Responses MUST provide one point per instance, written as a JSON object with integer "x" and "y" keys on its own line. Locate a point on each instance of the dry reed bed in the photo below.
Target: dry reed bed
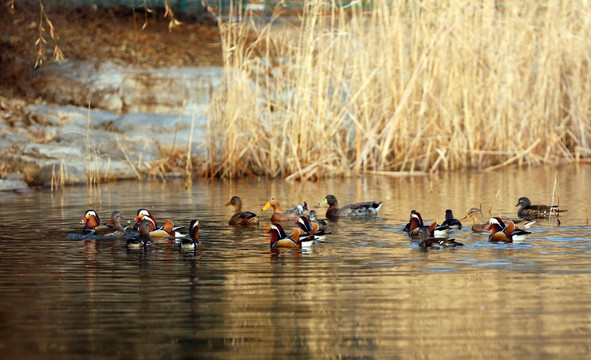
{"x": 403, "y": 86}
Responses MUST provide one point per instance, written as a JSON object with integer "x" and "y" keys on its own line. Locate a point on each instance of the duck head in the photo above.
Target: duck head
{"x": 90, "y": 219}
{"x": 194, "y": 229}
{"x": 236, "y": 202}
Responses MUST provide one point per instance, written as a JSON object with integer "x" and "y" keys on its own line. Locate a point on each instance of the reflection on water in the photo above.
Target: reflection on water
{"x": 364, "y": 292}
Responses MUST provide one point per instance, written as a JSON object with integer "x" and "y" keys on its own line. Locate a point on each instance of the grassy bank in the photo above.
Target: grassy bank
{"x": 404, "y": 86}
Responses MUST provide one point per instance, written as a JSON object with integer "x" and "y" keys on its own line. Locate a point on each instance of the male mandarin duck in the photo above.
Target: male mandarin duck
{"x": 529, "y": 211}
{"x": 167, "y": 230}
{"x": 92, "y": 224}
{"x": 321, "y": 223}
{"x": 310, "y": 228}
{"x": 280, "y": 240}
{"x": 368, "y": 208}
{"x": 450, "y": 221}
{"x": 426, "y": 240}
{"x": 143, "y": 240}
{"x": 191, "y": 243}
{"x": 278, "y": 215}
{"x": 478, "y": 226}
{"x": 309, "y": 231}
{"x": 145, "y": 214}
{"x": 241, "y": 217}
{"x": 416, "y": 223}
{"x": 507, "y": 233}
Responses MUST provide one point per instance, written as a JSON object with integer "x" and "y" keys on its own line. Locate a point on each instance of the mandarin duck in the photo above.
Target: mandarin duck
{"x": 368, "y": 208}
{"x": 241, "y": 217}
{"x": 191, "y": 243}
{"x": 168, "y": 230}
{"x": 314, "y": 218}
{"x": 507, "y": 233}
{"x": 529, "y": 211}
{"x": 143, "y": 240}
{"x": 145, "y": 214}
{"x": 426, "y": 240}
{"x": 309, "y": 227}
{"x": 278, "y": 215}
{"x": 280, "y": 240}
{"x": 478, "y": 226}
{"x": 92, "y": 224}
{"x": 450, "y": 221}
{"x": 416, "y": 222}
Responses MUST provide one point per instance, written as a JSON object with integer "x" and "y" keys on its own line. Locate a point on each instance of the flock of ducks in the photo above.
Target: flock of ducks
{"x": 310, "y": 227}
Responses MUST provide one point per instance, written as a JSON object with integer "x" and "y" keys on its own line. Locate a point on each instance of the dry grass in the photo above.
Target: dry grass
{"x": 403, "y": 87}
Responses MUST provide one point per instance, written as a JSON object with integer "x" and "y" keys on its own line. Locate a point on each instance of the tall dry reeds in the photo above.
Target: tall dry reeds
{"x": 398, "y": 86}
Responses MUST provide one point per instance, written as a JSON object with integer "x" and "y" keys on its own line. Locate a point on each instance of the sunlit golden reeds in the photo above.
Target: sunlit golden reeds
{"x": 398, "y": 86}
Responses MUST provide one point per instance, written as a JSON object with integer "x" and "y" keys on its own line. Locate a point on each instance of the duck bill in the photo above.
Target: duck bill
{"x": 267, "y": 205}
{"x": 228, "y": 203}
{"x": 465, "y": 218}
{"x": 83, "y": 221}
{"x": 323, "y": 202}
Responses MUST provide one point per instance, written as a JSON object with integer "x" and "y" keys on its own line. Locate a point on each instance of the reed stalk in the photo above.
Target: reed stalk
{"x": 397, "y": 86}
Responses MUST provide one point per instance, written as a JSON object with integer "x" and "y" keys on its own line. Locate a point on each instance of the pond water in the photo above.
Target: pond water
{"x": 365, "y": 292}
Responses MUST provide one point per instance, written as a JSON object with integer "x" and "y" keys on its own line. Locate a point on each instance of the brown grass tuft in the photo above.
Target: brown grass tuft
{"x": 403, "y": 87}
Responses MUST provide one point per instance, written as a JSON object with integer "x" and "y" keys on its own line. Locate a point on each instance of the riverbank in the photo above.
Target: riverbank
{"x": 106, "y": 112}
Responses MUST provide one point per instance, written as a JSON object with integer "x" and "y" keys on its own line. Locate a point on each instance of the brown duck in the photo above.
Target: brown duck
{"x": 241, "y": 217}
{"x": 478, "y": 226}
{"x": 529, "y": 211}
{"x": 278, "y": 215}
{"x": 368, "y": 208}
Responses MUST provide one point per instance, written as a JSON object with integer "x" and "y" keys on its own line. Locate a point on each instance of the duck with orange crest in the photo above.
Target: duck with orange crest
{"x": 241, "y": 217}
{"x": 416, "y": 223}
{"x": 92, "y": 225}
{"x": 504, "y": 232}
{"x": 144, "y": 214}
{"x": 362, "y": 209}
{"x": 167, "y": 231}
{"x": 191, "y": 243}
{"x": 280, "y": 240}
{"x": 312, "y": 230}
{"x": 279, "y": 215}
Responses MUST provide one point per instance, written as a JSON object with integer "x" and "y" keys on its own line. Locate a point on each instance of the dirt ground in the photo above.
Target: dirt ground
{"x": 99, "y": 34}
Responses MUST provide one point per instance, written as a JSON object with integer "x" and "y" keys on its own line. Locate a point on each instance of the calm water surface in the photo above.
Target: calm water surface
{"x": 365, "y": 292}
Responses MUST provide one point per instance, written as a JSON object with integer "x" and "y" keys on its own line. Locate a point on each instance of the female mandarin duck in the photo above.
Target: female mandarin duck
{"x": 368, "y": 208}
{"x": 426, "y": 240}
{"x": 278, "y": 215}
{"x": 280, "y": 240}
{"x": 241, "y": 217}
{"x": 92, "y": 224}
{"x": 478, "y": 226}
{"x": 321, "y": 223}
{"x": 143, "y": 240}
{"x": 529, "y": 211}
{"x": 450, "y": 221}
{"x": 507, "y": 233}
{"x": 191, "y": 243}
{"x": 416, "y": 223}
